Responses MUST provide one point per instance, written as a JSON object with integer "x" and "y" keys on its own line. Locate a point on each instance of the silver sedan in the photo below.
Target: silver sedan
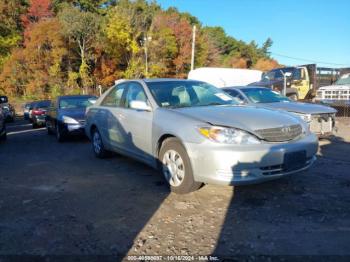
{"x": 196, "y": 133}
{"x": 320, "y": 118}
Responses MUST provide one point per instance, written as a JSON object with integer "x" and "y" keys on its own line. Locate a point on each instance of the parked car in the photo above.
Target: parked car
{"x": 38, "y": 112}
{"x": 2, "y": 125}
{"x": 66, "y": 115}
{"x": 196, "y": 133}
{"x": 26, "y": 109}
{"x": 321, "y": 119}
{"x": 8, "y": 110}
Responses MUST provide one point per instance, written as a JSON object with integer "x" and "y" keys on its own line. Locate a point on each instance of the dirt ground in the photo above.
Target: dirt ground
{"x": 58, "y": 199}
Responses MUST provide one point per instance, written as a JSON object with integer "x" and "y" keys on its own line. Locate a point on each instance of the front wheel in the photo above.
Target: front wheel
{"x": 4, "y": 136}
{"x": 48, "y": 129}
{"x": 59, "y": 135}
{"x": 176, "y": 167}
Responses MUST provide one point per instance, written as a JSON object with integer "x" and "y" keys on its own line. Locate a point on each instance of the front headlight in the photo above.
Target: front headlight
{"x": 305, "y": 117}
{"x": 69, "y": 120}
{"x": 227, "y": 135}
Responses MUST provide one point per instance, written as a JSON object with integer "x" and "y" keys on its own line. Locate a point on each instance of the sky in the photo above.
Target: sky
{"x": 316, "y": 30}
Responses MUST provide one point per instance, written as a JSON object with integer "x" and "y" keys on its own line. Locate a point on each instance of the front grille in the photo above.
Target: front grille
{"x": 280, "y": 134}
{"x": 280, "y": 169}
{"x": 322, "y": 123}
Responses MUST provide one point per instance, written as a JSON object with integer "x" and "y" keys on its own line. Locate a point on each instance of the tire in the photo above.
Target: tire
{"x": 34, "y": 125}
{"x": 293, "y": 97}
{"x": 97, "y": 144}
{"x": 59, "y": 135}
{"x": 3, "y": 137}
{"x": 176, "y": 167}
{"x": 48, "y": 129}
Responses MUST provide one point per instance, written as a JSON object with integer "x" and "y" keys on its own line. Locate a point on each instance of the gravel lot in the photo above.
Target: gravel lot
{"x": 58, "y": 199}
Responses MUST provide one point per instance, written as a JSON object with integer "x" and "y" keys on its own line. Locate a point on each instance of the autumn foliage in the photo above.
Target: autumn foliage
{"x": 52, "y": 47}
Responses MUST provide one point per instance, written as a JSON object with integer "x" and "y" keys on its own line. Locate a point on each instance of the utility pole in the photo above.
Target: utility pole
{"x": 193, "y": 46}
{"x": 145, "y": 42}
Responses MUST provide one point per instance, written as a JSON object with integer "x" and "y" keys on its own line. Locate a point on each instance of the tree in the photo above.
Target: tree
{"x": 82, "y": 28}
{"x": 38, "y": 9}
{"x": 36, "y": 70}
{"x": 265, "y": 64}
{"x": 180, "y": 29}
{"x": 10, "y": 26}
{"x": 94, "y": 6}
{"x": 266, "y": 47}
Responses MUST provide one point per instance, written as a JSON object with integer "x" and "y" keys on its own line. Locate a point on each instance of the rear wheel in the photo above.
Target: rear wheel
{"x": 48, "y": 129}
{"x": 97, "y": 144}
{"x": 176, "y": 167}
{"x": 4, "y": 136}
{"x": 59, "y": 135}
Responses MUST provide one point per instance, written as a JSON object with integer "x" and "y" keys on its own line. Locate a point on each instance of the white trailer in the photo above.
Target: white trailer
{"x": 224, "y": 77}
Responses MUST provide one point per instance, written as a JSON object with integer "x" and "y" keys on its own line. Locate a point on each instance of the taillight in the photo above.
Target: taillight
{"x": 38, "y": 112}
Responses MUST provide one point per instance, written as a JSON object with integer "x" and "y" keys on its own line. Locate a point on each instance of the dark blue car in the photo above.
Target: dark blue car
{"x": 66, "y": 115}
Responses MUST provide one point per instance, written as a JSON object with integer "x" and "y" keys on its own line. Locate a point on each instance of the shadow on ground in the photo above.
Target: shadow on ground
{"x": 303, "y": 214}
{"x": 58, "y": 199}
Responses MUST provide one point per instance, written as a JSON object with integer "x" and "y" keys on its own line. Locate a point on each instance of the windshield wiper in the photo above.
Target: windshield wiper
{"x": 213, "y": 104}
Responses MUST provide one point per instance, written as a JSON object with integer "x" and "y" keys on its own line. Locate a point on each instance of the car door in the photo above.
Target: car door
{"x": 108, "y": 119}
{"x": 137, "y": 124}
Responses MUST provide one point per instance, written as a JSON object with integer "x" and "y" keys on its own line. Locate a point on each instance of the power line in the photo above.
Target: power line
{"x": 307, "y": 60}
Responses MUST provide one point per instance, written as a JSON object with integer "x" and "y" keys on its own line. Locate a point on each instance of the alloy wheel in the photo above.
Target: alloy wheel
{"x": 173, "y": 168}
{"x": 97, "y": 142}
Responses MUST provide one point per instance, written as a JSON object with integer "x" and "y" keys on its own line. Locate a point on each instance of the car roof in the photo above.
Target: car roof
{"x": 74, "y": 96}
{"x": 153, "y": 80}
{"x": 39, "y": 101}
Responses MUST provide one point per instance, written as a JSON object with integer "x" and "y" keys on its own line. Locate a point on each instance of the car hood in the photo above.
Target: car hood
{"x": 302, "y": 108}
{"x": 76, "y": 113}
{"x": 249, "y": 118}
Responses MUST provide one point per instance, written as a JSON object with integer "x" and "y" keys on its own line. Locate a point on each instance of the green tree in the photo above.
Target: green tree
{"x": 81, "y": 28}
{"x": 10, "y": 26}
{"x": 265, "y": 49}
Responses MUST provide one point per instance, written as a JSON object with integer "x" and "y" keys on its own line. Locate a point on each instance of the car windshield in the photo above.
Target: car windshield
{"x": 263, "y": 95}
{"x": 344, "y": 80}
{"x": 277, "y": 73}
{"x": 42, "y": 104}
{"x": 177, "y": 94}
{"x": 75, "y": 102}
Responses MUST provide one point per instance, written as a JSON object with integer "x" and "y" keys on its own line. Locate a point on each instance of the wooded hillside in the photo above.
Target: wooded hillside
{"x": 52, "y": 47}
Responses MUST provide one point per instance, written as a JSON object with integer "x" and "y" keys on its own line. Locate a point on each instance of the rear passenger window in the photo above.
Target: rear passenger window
{"x": 114, "y": 98}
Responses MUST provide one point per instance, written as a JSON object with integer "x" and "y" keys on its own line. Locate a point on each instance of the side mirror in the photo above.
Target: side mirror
{"x": 140, "y": 105}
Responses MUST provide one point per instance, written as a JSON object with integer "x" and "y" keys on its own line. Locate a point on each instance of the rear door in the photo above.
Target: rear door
{"x": 108, "y": 119}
